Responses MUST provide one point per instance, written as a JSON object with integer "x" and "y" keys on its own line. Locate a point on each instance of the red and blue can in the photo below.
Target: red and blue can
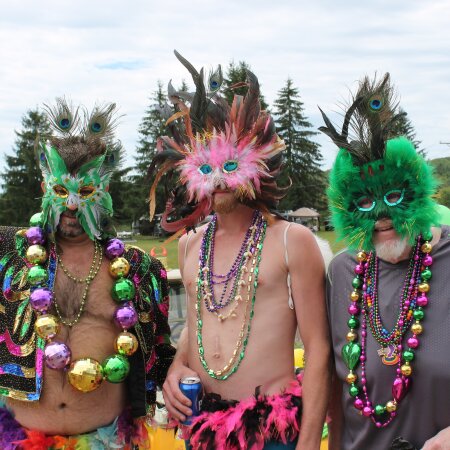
{"x": 191, "y": 387}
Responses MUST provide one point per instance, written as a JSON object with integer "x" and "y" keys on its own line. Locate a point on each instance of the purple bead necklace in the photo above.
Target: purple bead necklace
{"x": 411, "y": 306}
{"x": 209, "y": 280}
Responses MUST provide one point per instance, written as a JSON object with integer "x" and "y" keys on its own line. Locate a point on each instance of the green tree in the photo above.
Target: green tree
{"x": 237, "y": 74}
{"x": 302, "y": 154}
{"x": 404, "y": 127}
{"x": 151, "y": 127}
{"x": 21, "y": 180}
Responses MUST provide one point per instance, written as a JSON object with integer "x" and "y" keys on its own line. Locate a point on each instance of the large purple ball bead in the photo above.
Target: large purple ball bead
{"x": 41, "y": 299}
{"x": 126, "y": 316}
{"x": 57, "y": 355}
{"x": 35, "y": 235}
{"x": 114, "y": 248}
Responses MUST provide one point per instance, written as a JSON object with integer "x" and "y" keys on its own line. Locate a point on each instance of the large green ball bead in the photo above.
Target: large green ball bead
{"x": 353, "y": 390}
{"x": 418, "y": 314}
{"x": 116, "y": 368}
{"x": 427, "y": 235}
{"x": 408, "y": 355}
{"x": 37, "y": 275}
{"x": 353, "y": 322}
{"x": 123, "y": 290}
{"x": 356, "y": 282}
{"x": 37, "y": 220}
{"x": 379, "y": 410}
{"x": 426, "y": 274}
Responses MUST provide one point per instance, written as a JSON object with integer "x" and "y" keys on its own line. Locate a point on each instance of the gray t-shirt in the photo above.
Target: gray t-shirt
{"x": 426, "y": 408}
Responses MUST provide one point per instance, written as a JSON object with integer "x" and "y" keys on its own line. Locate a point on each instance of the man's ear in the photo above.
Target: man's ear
{"x": 43, "y": 186}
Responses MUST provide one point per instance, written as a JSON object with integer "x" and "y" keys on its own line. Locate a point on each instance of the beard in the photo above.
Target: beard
{"x": 69, "y": 228}
{"x": 224, "y": 204}
{"x": 392, "y": 249}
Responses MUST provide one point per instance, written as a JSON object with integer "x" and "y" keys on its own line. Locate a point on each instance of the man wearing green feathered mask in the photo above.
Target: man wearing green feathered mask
{"x": 84, "y": 335}
{"x": 387, "y": 295}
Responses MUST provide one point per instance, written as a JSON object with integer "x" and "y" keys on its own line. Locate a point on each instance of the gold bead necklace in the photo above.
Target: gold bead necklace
{"x": 93, "y": 271}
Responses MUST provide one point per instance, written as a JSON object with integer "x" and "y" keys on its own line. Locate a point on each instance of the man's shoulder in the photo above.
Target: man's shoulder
{"x": 7, "y": 239}
{"x": 134, "y": 253}
{"x": 340, "y": 260}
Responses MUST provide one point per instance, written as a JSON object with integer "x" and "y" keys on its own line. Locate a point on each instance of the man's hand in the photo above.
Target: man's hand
{"x": 176, "y": 403}
{"x": 439, "y": 442}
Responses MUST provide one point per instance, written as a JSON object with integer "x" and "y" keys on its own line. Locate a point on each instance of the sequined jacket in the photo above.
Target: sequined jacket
{"x": 21, "y": 351}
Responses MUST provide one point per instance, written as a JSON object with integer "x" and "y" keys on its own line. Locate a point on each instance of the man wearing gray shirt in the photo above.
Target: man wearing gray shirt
{"x": 387, "y": 295}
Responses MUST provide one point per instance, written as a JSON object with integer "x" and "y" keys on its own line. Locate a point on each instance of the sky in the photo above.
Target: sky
{"x": 116, "y": 51}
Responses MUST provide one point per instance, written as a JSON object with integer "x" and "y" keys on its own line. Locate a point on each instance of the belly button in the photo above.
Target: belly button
{"x": 62, "y": 405}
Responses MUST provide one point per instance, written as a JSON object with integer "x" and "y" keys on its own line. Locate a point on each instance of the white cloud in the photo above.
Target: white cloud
{"x": 116, "y": 51}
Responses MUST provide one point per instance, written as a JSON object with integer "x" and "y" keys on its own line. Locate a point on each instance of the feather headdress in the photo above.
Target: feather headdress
{"x": 376, "y": 173}
{"x": 214, "y": 145}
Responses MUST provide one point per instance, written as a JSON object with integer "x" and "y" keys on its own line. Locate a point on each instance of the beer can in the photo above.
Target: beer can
{"x": 191, "y": 387}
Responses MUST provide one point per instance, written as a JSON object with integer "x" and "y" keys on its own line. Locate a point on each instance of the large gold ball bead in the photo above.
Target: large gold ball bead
{"x": 351, "y": 336}
{"x": 361, "y": 256}
{"x": 119, "y": 267}
{"x": 423, "y": 287}
{"x": 351, "y": 378}
{"x": 426, "y": 248}
{"x": 85, "y": 375}
{"x": 391, "y": 406}
{"x": 36, "y": 254}
{"x": 406, "y": 370}
{"x": 126, "y": 343}
{"x": 354, "y": 296}
{"x": 46, "y": 326}
{"x": 416, "y": 328}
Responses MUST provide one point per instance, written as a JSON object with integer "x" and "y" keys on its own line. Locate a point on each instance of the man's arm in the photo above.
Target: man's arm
{"x": 176, "y": 403}
{"x": 335, "y": 415}
{"x": 439, "y": 442}
{"x": 308, "y": 279}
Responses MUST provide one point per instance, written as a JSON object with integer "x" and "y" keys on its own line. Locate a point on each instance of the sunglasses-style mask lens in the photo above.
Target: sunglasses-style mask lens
{"x": 230, "y": 166}
{"x": 60, "y": 191}
{"x": 86, "y": 191}
{"x": 205, "y": 169}
{"x": 394, "y": 197}
{"x": 365, "y": 203}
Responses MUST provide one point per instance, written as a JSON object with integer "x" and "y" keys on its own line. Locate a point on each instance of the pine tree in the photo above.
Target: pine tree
{"x": 21, "y": 181}
{"x": 237, "y": 73}
{"x": 404, "y": 127}
{"x": 302, "y": 155}
{"x": 151, "y": 127}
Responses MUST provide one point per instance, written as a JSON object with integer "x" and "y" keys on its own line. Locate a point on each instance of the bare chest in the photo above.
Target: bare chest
{"x": 76, "y": 301}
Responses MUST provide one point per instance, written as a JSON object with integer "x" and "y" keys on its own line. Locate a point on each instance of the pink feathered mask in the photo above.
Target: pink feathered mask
{"x": 215, "y": 146}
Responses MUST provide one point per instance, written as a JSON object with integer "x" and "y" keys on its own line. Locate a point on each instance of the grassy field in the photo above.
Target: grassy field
{"x": 149, "y": 243}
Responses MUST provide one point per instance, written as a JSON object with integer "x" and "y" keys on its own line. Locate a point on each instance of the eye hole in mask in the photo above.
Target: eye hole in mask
{"x": 205, "y": 169}
{"x": 365, "y": 203}
{"x": 86, "y": 191}
{"x": 230, "y": 166}
{"x": 60, "y": 191}
{"x": 391, "y": 198}
{"x": 394, "y": 197}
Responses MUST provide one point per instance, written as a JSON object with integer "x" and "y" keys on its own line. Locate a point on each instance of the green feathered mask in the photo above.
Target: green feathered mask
{"x": 377, "y": 175}
{"x": 77, "y": 162}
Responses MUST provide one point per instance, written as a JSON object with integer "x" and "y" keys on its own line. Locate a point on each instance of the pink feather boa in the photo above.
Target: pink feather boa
{"x": 248, "y": 424}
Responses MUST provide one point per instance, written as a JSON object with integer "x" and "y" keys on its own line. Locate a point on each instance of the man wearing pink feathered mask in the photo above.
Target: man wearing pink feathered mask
{"x": 251, "y": 278}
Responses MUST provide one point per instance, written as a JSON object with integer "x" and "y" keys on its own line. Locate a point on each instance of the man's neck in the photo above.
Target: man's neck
{"x": 236, "y": 221}
{"x": 81, "y": 241}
